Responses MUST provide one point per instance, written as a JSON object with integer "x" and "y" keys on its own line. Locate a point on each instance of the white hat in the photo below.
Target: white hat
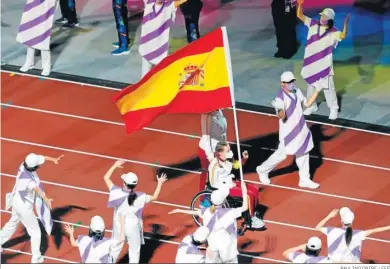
{"x": 346, "y": 215}
{"x": 328, "y": 13}
{"x": 219, "y": 196}
{"x": 130, "y": 178}
{"x": 201, "y": 234}
{"x": 287, "y": 77}
{"x": 97, "y": 224}
{"x": 33, "y": 160}
{"x": 314, "y": 243}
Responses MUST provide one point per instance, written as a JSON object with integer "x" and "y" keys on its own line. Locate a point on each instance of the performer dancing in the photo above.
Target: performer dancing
{"x": 307, "y": 253}
{"x": 158, "y": 17}
{"x": 129, "y": 203}
{"x": 294, "y": 135}
{"x": 35, "y": 34}
{"x": 94, "y": 247}
{"x": 188, "y": 251}
{"x": 27, "y": 191}
{"x": 317, "y": 70}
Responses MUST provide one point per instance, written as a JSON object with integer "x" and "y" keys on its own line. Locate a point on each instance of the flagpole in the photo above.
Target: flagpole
{"x": 231, "y": 83}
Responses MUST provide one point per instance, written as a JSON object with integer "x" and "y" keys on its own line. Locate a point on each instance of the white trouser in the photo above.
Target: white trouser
{"x": 23, "y": 212}
{"x": 146, "y": 66}
{"x": 133, "y": 237}
{"x": 45, "y": 55}
{"x": 330, "y": 94}
{"x": 280, "y": 155}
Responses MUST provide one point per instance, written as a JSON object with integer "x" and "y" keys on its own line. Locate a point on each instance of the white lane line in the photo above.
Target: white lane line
{"x": 152, "y": 239}
{"x": 190, "y": 171}
{"x": 241, "y": 110}
{"x": 29, "y": 253}
{"x": 188, "y": 135}
{"x": 95, "y": 155}
{"x": 105, "y": 121}
{"x": 183, "y": 206}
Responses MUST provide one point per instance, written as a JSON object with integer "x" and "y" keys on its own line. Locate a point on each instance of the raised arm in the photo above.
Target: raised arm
{"x": 312, "y": 99}
{"x": 70, "y": 230}
{"x": 54, "y": 160}
{"x": 331, "y": 215}
{"x": 160, "y": 181}
{"x": 344, "y": 32}
{"x": 188, "y": 212}
{"x": 377, "y": 230}
{"x": 300, "y": 14}
{"x": 294, "y": 249}
{"x": 278, "y": 104}
{"x": 107, "y": 176}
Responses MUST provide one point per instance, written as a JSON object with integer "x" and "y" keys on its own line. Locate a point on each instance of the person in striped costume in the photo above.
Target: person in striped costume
{"x": 35, "y": 31}
{"x": 129, "y": 203}
{"x": 317, "y": 70}
{"x": 345, "y": 243}
{"x": 307, "y": 253}
{"x": 28, "y": 191}
{"x": 188, "y": 251}
{"x": 159, "y": 15}
{"x": 222, "y": 223}
{"x": 94, "y": 247}
{"x": 294, "y": 135}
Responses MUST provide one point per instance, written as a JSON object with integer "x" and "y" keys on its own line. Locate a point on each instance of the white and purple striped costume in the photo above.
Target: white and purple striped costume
{"x": 318, "y": 58}
{"x": 187, "y": 252}
{"x": 102, "y": 251}
{"x": 156, "y": 23}
{"x": 223, "y": 233}
{"x": 23, "y": 199}
{"x": 300, "y": 257}
{"x": 294, "y": 133}
{"x": 133, "y": 219}
{"x": 36, "y": 24}
{"x": 338, "y": 251}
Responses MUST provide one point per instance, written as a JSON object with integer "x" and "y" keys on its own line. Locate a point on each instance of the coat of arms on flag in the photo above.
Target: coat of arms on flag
{"x": 192, "y": 75}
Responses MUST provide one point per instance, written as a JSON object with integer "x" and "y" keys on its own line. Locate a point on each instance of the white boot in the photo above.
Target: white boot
{"x": 308, "y": 184}
{"x": 40, "y": 259}
{"x": 310, "y": 110}
{"x": 333, "y": 114}
{"x": 29, "y": 63}
{"x": 263, "y": 176}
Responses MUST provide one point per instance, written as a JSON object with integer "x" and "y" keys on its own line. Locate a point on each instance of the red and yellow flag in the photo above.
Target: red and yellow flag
{"x": 195, "y": 79}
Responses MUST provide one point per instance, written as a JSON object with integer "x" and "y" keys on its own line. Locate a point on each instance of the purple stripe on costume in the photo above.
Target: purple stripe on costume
{"x": 105, "y": 259}
{"x": 152, "y": 15}
{"x": 31, "y": 5}
{"x": 280, "y": 95}
{"x": 114, "y": 187}
{"x": 156, "y": 33}
{"x": 42, "y": 214}
{"x": 98, "y": 243}
{"x": 38, "y": 20}
{"x": 38, "y": 39}
{"x": 158, "y": 52}
{"x": 295, "y": 255}
{"x": 294, "y": 132}
{"x": 356, "y": 252}
{"x": 23, "y": 195}
{"x": 116, "y": 202}
{"x": 26, "y": 175}
{"x": 322, "y": 74}
{"x": 79, "y": 238}
{"x": 85, "y": 255}
{"x": 317, "y": 36}
{"x": 329, "y": 229}
{"x": 302, "y": 149}
{"x": 313, "y": 22}
{"x": 231, "y": 229}
{"x": 318, "y": 56}
{"x": 211, "y": 223}
{"x": 335, "y": 243}
{"x": 202, "y": 210}
{"x": 315, "y": 259}
{"x": 292, "y": 106}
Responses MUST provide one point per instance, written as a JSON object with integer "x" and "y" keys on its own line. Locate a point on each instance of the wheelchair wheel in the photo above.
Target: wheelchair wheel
{"x": 203, "y": 200}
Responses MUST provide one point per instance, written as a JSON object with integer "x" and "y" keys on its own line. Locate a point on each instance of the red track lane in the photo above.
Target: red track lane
{"x": 151, "y": 147}
{"x": 354, "y": 146}
{"x": 287, "y": 206}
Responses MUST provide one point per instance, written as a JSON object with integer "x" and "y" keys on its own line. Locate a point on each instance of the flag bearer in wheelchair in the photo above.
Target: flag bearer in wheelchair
{"x": 220, "y": 176}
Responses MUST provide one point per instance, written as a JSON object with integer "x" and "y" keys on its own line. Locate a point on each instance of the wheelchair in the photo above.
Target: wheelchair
{"x": 203, "y": 200}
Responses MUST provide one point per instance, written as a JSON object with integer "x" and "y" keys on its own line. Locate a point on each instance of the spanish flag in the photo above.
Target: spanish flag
{"x": 195, "y": 79}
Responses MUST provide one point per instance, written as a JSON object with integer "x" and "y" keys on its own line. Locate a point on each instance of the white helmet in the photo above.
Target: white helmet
{"x": 130, "y": 178}
{"x": 33, "y": 160}
{"x": 97, "y": 224}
